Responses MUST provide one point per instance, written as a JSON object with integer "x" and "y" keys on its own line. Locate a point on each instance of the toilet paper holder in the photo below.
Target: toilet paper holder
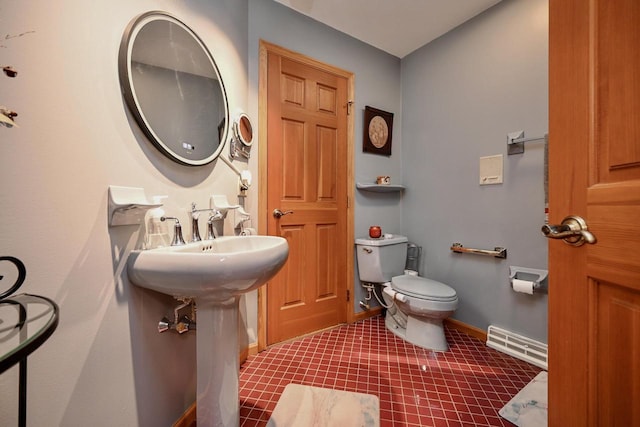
{"x": 538, "y": 277}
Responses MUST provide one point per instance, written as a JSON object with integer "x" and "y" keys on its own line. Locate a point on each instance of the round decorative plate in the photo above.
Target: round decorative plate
{"x": 378, "y": 132}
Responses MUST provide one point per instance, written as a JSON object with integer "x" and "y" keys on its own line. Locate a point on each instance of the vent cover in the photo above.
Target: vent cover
{"x": 518, "y": 346}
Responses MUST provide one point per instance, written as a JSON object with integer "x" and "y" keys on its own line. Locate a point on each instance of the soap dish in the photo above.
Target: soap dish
{"x": 128, "y": 205}
{"x": 221, "y": 203}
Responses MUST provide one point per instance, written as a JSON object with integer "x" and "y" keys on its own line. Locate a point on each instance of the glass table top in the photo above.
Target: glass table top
{"x": 26, "y": 321}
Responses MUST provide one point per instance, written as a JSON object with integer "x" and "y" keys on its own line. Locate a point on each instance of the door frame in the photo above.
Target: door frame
{"x": 265, "y": 48}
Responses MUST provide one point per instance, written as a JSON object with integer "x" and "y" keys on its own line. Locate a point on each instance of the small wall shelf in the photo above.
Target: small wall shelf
{"x": 128, "y": 205}
{"x": 380, "y": 188}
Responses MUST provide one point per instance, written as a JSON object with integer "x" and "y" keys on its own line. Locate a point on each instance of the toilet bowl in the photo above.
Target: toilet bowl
{"x": 416, "y": 306}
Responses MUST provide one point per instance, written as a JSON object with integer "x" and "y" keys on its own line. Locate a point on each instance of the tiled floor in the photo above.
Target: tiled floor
{"x": 465, "y": 386}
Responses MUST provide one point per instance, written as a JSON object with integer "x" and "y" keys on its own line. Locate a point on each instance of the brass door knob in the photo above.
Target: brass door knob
{"x": 573, "y": 230}
{"x": 277, "y": 213}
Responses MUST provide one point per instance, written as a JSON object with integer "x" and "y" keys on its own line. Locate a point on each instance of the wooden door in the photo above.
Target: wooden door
{"x": 308, "y": 164}
{"x": 594, "y": 152}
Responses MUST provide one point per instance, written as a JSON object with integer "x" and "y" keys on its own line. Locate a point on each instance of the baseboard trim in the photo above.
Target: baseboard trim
{"x": 467, "y": 329}
{"x": 367, "y": 314}
{"x": 188, "y": 419}
{"x": 252, "y": 350}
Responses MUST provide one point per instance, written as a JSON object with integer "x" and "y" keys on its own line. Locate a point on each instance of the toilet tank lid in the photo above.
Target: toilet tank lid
{"x": 382, "y": 241}
{"x": 421, "y": 287}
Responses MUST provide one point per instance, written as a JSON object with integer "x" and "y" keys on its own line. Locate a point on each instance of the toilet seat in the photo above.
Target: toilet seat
{"x": 423, "y": 288}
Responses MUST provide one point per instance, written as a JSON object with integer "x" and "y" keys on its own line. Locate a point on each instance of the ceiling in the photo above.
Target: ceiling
{"x": 395, "y": 26}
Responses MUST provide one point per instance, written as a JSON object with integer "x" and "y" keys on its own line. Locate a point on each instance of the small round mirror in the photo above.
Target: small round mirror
{"x": 173, "y": 88}
{"x": 242, "y": 130}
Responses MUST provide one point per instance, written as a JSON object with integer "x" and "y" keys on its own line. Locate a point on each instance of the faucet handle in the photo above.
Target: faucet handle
{"x": 211, "y": 231}
{"x": 195, "y": 212}
{"x": 215, "y": 215}
{"x": 177, "y": 231}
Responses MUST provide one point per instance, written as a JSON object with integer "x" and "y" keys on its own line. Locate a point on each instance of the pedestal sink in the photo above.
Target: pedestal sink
{"x": 215, "y": 273}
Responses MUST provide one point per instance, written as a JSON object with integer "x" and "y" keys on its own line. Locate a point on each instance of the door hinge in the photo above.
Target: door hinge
{"x": 349, "y": 104}
{"x": 348, "y": 295}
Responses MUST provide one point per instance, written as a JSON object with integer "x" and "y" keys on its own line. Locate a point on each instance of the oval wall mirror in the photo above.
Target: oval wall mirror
{"x": 173, "y": 88}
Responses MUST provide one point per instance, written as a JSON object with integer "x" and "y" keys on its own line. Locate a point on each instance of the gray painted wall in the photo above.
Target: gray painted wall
{"x": 461, "y": 94}
{"x": 454, "y": 101}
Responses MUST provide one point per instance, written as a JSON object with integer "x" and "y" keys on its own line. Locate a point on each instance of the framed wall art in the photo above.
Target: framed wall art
{"x": 378, "y": 129}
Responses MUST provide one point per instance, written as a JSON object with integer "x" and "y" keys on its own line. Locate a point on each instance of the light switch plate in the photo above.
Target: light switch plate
{"x": 491, "y": 170}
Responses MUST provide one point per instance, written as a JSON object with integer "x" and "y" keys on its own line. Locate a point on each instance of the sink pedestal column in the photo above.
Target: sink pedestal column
{"x": 218, "y": 400}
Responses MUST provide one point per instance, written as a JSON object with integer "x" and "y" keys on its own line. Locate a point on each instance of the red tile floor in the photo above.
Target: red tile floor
{"x": 465, "y": 386}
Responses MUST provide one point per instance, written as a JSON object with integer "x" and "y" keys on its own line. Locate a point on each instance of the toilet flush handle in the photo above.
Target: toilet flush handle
{"x": 367, "y": 250}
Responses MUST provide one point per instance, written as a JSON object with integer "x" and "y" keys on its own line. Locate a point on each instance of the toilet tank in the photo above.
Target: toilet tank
{"x": 381, "y": 259}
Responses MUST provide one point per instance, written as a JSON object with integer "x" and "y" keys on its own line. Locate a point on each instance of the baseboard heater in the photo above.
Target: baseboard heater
{"x": 515, "y": 345}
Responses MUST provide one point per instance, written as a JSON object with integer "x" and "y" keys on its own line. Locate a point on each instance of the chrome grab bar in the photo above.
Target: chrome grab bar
{"x": 497, "y": 252}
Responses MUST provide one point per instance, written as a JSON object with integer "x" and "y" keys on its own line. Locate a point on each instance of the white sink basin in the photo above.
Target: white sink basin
{"x": 214, "y": 269}
{"x": 215, "y": 273}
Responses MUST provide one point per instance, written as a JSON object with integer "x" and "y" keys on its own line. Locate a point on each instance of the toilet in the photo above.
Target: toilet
{"x": 416, "y": 306}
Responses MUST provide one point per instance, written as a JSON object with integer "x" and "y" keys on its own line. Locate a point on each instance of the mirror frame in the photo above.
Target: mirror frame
{"x": 129, "y": 92}
{"x": 239, "y": 146}
{"x": 243, "y": 122}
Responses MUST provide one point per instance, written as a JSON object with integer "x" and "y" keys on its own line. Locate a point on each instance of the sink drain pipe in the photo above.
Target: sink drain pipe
{"x": 180, "y": 324}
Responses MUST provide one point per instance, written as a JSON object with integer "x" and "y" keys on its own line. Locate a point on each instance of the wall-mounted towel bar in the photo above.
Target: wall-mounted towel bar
{"x": 516, "y": 140}
{"x": 496, "y": 252}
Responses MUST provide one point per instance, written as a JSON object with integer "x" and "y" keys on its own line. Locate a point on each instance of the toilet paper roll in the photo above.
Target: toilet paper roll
{"x": 524, "y": 286}
{"x": 248, "y": 232}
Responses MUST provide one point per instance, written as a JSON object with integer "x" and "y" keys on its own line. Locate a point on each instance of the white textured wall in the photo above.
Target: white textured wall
{"x": 461, "y": 95}
{"x": 105, "y": 365}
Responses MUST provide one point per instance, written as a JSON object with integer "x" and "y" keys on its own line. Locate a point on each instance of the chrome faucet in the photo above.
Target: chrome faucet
{"x": 195, "y": 215}
{"x": 177, "y": 231}
{"x": 211, "y": 231}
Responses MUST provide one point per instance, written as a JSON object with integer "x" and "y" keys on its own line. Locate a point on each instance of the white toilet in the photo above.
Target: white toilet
{"x": 416, "y": 305}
